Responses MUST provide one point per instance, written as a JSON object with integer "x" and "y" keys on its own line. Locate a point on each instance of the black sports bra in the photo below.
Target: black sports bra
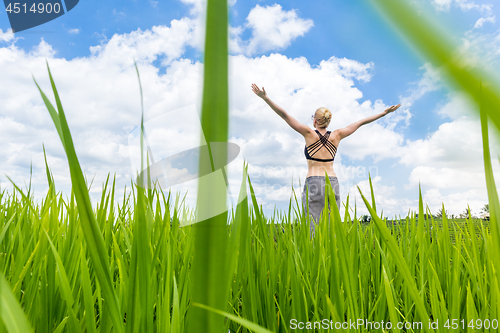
{"x": 322, "y": 142}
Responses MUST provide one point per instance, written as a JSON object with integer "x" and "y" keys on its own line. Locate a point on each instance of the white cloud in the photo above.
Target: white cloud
{"x": 442, "y": 5}
{"x": 153, "y": 3}
{"x": 386, "y": 198}
{"x": 74, "y": 31}
{"x": 459, "y": 105}
{"x": 464, "y": 5}
{"x": 7, "y": 36}
{"x": 198, "y": 14}
{"x": 198, "y": 6}
{"x": 146, "y": 46}
{"x": 480, "y": 50}
{"x": 482, "y": 20}
{"x": 272, "y": 29}
{"x": 455, "y": 144}
{"x": 430, "y": 81}
{"x": 43, "y": 50}
{"x": 101, "y": 99}
{"x": 455, "y": 203}
{"x": 446, "y": 178}
{"x": 118, "y": 15}
{"x": 352, "y": 69}
{"x": 451, "y": 158}
{"x": 486, "y": 10}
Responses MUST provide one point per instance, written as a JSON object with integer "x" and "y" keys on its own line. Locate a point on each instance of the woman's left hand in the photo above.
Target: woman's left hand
{"x": 392, "y": 108}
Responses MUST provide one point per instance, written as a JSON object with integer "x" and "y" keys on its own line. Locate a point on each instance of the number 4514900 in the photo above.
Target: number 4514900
{"x": 474, "y": 324}
{"x": 39, "y": 8}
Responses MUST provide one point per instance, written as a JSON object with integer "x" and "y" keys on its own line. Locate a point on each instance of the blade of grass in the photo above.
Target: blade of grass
{"x": 243, "y": 322}
{"x": 209, "y": 275}
{"x": 400, "y": 261}
{"x": 88, "y": 299}
{"x": 494, "y": 202}
{"x": 91, "y": 231}
{"x": 142, "y": 233}
{"x": 11, "y": 312}
{"x": 66, "y": 292}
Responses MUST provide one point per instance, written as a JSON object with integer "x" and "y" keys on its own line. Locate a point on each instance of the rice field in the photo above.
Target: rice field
{"x": 409, "y": 273}
{"x": 126, "y": 265}
{"x": 279, "y": 274}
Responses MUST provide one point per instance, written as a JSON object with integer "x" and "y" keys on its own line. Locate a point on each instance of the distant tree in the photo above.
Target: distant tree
{"x": 486, "y": 212}
{"x": 426, "y": 216}
{"x": 365, "y": 219}
{"x": 465, "y": 213}
{"x": 440, "y": 212}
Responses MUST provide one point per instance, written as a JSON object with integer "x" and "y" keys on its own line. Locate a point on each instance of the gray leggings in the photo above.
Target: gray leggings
{"x": 316, "y": 198}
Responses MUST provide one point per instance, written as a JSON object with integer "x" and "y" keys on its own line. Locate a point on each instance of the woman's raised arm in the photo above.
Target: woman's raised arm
{"x": 294, "y": 123}
{"x": 348, "y": 130}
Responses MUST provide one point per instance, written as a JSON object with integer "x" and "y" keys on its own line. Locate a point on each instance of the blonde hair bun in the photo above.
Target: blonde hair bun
{"x": 323, "y": 117}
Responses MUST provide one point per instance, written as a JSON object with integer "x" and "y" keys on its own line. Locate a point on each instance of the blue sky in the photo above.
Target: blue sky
{"x": 287, "y": 46}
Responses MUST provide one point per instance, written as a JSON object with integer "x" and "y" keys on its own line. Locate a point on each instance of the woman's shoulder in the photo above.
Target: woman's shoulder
{"x": 335, "y": 137}
{"x": 310, "y": 132}
{"x": 334, "y": 133}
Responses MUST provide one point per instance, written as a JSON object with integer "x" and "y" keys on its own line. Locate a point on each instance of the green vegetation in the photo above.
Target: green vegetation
{"x": 278, "y": 273}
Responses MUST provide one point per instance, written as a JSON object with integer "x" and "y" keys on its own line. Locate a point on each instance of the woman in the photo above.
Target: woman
{"x": 321, "y": 147}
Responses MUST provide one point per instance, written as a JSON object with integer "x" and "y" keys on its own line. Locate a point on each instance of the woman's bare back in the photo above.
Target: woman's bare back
{"x": 318, "y": 168}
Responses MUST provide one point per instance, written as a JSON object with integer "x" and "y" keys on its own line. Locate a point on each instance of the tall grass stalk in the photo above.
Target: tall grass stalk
{"x": 432, "y": 42}
{"x": 210, "y": 277}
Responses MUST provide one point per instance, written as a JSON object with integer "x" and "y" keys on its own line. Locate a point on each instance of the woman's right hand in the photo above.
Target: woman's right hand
{"x": 258, "y": 92}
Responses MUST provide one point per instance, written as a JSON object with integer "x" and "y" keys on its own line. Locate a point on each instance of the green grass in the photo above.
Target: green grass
{"x": 347, "y": 271}
{"x": 478, "y": 225}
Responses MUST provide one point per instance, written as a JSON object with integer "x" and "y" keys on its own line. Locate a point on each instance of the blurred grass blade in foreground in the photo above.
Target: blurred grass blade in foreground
{"x": 210, "y": 278}
{"x": 432, "y": 42}
{"x": 494, "y": 203}
{"x": 11, "y": 313}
